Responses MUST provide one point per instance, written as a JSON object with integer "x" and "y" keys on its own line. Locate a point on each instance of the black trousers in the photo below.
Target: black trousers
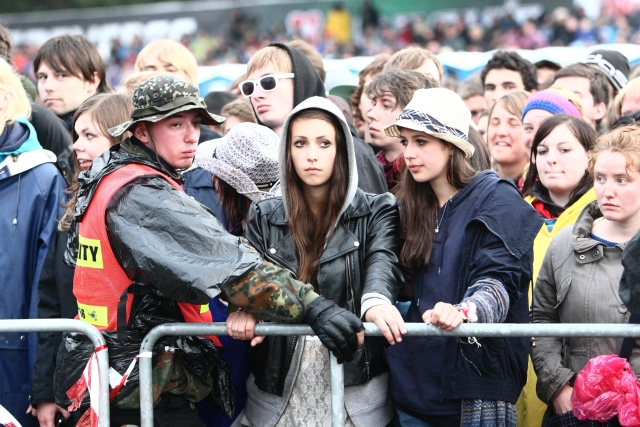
{"x": 171, "y": 410}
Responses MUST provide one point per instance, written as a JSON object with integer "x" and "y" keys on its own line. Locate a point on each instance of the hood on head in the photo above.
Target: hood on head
{"x": 320, "y": 103}
{"x": 306, "y": 83}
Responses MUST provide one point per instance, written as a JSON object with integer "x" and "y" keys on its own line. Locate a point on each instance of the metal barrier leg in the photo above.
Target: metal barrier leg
{"x": 104, "y": 407}
{"x": 68, "y": 325}
{"x": 338, "y": 415}
{"x": 146, "y": 379}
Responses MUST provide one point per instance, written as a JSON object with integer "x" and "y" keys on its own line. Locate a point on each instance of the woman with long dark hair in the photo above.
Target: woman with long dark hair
{"x": 344, "y": 242}
{"x": 468, "y": 244}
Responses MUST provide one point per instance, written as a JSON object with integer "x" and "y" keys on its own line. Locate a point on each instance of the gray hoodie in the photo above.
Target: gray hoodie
{"x": 368, "y": 404}
{"x": 317, "y": 102}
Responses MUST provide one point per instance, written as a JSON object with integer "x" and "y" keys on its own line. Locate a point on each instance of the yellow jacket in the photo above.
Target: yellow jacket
{"x": 338, "y": 25}
{"x": 529, "y": 408}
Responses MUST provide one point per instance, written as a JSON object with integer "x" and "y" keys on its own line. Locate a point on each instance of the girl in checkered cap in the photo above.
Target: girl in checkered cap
{"x": 467, "y": 243}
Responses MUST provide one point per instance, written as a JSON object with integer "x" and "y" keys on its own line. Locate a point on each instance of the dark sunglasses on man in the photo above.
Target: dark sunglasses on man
{"x": 267, "y": 83}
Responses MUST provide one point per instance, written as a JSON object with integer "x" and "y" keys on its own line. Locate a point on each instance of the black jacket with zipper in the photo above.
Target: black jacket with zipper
{"x": 360, "y": 258}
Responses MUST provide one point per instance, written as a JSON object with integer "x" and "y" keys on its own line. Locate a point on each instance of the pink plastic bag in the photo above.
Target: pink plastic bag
{"x": 606, "y": 387}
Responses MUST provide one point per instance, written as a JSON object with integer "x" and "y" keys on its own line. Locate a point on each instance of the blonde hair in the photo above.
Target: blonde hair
{"x": 632, "y": 90}
{"x": 413, "y": 58}
{"x": 278, "y": 57}
{"x": 240, "y": 108}
{"x": 624, "y": 140}
{"x": 130, "y": 83}
{"x": 513, "y": 102}
{"x": 170, "y": 52}
{"x": 10, "y": 83}
{"x": 312, "y": 54}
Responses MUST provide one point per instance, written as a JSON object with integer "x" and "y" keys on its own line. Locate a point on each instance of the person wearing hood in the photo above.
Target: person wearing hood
{"x": 468, "y": 244}
{"x": 142, "y": 250}
{"x": 31, "y": 196}
{"x": 344, "y": 242}
{"x": 279, "y": 78}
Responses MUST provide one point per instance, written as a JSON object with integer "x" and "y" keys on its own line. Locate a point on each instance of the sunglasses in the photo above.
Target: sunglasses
{"x": 267, "y": 83}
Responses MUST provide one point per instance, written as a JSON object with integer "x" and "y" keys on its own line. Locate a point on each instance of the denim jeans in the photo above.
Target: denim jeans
{"x": 402, "y": 419}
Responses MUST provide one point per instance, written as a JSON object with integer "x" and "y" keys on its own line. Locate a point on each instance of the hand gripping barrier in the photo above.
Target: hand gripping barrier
{"x": 337, "y": 374}
{"x": 68, "y": 325}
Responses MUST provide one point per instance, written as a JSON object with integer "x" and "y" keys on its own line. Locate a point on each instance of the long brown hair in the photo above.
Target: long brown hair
{"x": 106, "y": 110}
{"x": 235, "y": 205}
{"x": 419, "y": 206}
{"x": 311, "y": 233}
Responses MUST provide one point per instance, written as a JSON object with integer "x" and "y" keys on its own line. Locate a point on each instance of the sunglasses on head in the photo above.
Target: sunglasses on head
{"x": 267, "y": 83}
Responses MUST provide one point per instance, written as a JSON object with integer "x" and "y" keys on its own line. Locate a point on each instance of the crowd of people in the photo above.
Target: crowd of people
{"x": 341, "y": 38}
{"x": 510, "y": 200}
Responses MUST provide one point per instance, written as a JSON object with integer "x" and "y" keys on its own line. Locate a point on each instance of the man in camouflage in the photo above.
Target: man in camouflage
{"x": 165, "y": 241}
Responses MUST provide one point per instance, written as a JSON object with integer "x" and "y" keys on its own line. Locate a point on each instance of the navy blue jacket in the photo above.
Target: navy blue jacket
{"x": 31, "y": 192}
{"x": 489, "y": 233}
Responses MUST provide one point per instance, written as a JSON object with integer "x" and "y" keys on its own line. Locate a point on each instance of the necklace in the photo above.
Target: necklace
{"x": 438, "y": 223}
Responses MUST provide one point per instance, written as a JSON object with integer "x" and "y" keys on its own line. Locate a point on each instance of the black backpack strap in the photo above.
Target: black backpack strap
{"x": 134, "y": 289}
{"x": 629, "y": 342}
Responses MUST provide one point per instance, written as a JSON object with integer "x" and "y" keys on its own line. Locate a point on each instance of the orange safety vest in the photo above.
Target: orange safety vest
{"x": 99, "y": 283}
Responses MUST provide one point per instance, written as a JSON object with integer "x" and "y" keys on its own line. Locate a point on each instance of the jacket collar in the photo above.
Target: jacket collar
{"x": 342, "y": 241}
{"x": 359, "y": 207}
{"x": 134, "y": 146}
{"x": 580, "y": 239}
{"x": 501, "y": 216}
{"x": 540, "y": 193}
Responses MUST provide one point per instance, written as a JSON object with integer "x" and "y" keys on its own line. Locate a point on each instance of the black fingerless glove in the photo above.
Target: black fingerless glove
{"x": 335, "y": 326}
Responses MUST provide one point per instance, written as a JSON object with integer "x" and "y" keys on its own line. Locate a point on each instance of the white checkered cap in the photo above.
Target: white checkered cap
{"x": 439, "y": 112}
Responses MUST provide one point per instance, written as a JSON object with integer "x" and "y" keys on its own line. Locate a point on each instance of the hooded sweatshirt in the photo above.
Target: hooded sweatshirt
{"x": 307, "y": 83}
{"x": 367, "y": 403}
{"x": 31, "y": 193}
{"x": 320, "y": 103}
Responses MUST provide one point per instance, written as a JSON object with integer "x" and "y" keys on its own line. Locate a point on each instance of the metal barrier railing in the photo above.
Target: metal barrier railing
{"x": 337, "y": 373}
{"x": 68, "y": 325}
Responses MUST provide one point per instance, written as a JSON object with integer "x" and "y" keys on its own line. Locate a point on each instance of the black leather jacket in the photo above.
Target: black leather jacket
{"x": 361, "y": 258}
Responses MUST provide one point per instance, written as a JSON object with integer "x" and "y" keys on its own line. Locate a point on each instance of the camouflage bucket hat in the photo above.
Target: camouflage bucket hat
{"x": 163, "y": 96}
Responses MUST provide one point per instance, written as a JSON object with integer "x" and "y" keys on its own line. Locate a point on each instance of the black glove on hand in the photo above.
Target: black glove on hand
{"x": 335, "y": 326}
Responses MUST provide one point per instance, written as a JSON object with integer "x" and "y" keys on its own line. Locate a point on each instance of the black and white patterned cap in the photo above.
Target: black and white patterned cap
{"x": 439, "y": 112}
{"x": 246, "y": 158}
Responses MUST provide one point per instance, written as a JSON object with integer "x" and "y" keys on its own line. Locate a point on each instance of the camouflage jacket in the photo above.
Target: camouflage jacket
{"x": 182, "y": 250}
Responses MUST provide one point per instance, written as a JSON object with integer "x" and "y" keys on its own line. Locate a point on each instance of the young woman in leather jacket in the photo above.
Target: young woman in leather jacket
{"x": 343, "y": 241}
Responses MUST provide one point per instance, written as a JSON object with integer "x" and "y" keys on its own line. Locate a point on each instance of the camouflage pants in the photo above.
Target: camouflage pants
{"x": 170, "y": 375}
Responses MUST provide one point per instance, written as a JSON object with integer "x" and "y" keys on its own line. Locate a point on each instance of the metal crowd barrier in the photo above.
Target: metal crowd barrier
{"x": 68, "y": 325}
{"x": 337, "y": 373}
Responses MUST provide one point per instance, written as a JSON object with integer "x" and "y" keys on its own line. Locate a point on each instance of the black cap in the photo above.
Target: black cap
{"x": 613, "y": 64}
